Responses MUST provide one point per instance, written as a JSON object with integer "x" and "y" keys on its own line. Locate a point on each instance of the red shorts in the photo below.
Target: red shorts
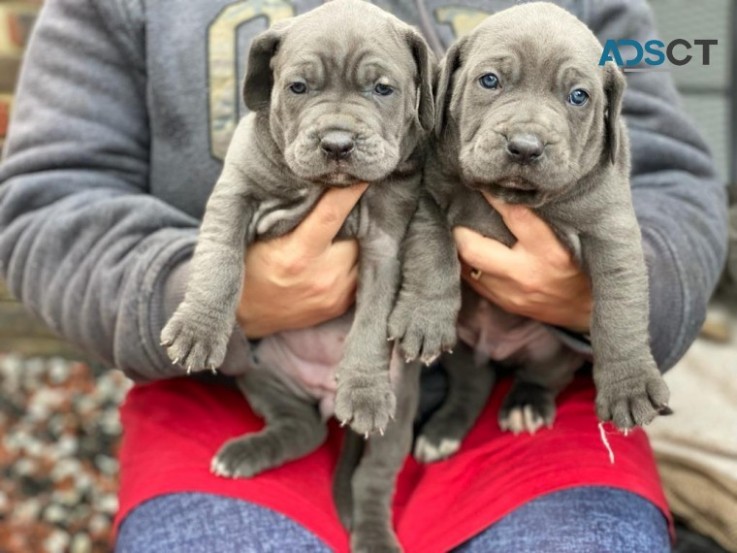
{"x": 173, "y": 428}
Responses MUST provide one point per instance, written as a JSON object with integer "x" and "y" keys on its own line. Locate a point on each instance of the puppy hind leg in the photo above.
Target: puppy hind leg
{"x": 351, "y": 452}
{"x": 530, "y": 403}
{"x": 469, "y": 387}
{"x": 375, "y": 477}
{"x": 293, "y": 429}
{"x": 527, "y": 408}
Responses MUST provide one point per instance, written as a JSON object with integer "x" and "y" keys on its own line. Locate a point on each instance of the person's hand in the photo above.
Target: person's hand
{"x": 302, "y": 278}
{"x": 537, "y": 277}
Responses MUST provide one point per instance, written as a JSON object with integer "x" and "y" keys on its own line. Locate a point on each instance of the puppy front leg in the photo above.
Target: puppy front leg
{"x": 423, "y": 320}
{"x": 630, "y": 389}
{"x": 365, "y": 399}
{"x": 197, "y": 335}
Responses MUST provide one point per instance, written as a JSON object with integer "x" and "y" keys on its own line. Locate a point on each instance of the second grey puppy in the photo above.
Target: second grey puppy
{"x": 526, "y": 114}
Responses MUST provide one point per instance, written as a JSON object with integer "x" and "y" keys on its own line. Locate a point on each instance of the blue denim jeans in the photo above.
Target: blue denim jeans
{"x": 578, "y": 520}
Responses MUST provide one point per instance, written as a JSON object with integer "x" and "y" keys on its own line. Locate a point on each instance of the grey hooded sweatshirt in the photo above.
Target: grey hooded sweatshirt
{"x": 125, "y": 109}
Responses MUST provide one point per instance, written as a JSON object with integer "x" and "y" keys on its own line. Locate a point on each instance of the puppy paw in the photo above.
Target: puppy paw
{"x": 195, "y": 342}
{"x": 527, "y": 408}
{"x": 423, "y": 329}
{"x": 242, "y": 458}
{"x": 365, "y": 401}
{"x": 634, "y": 399}
{"x": 429, "y": 449}
{"x": 374, "y": 539}
{"x": 442, "y": 435}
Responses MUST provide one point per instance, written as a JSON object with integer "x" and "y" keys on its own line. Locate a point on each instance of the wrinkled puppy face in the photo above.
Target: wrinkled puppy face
{"x": 349, "y": 91}
{"x": 530, "y": 107}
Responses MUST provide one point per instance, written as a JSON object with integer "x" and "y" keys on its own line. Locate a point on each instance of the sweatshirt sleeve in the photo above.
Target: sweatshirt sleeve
{"x": 680, "y": 203}
{"x": 82, "y": 242}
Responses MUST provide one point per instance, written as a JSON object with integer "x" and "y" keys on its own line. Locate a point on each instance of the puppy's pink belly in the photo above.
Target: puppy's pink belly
{"x": 307, "y": 360}
{"x": 501, "y": 336}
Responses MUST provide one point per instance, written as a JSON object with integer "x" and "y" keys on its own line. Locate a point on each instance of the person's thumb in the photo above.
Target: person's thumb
{"x": 529, "y": 229}
{"x": 318, "y": 230}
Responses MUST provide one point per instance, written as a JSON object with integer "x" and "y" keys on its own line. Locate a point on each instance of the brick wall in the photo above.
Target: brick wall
{"x": 24, "y": 334}
{"x": 16, "y": 20}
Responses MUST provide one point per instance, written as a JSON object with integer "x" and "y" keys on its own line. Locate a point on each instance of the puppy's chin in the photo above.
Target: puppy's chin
{"x": 337, "y": 180}
{"x": 341, "y": 173}
{"x": 516, "y": 185}
{"x": 372, "y": 160}
{"x": 340, "y": 176}
{"x": 514, "y": 191}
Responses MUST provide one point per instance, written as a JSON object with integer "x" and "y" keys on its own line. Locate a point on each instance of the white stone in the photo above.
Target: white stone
{"x": 81, "y": 543}
{"x": 57, "y": 542}
{"x": 55, "y": 513}
{"x": 99, "y": 523}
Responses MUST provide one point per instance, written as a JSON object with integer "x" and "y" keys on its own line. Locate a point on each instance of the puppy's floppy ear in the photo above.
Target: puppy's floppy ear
{"x": 259, "y": 77}
{"x": 444, "y": 88}
{"x": 426, "y": 66}
{"x": 614, "y": 85}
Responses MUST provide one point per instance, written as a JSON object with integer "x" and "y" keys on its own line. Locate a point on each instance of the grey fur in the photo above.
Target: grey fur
{"x": 274, "y": 172}
{"x": 293, "y": 429}
{"x": 580, "y": 186}
{"x": 374, "y": 478}
{"x": 470, "y": 382}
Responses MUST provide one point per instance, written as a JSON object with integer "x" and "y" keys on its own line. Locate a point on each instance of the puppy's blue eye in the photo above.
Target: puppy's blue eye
{"x": 298, "y": 87}
{"x": 578, "y": 97}
{"x": 489, "y": 81}
{"x": 383, "y": 89}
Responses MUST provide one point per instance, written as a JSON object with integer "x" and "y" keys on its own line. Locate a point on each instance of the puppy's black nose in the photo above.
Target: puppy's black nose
{"x": 525, "y": 148}
{"x": 337, "y": 144}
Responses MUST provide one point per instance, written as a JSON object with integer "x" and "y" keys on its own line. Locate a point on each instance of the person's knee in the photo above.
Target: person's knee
{"x": 610, "y": 521}
{"x": 202, "y": 523}
{"x": 579, "y": 520}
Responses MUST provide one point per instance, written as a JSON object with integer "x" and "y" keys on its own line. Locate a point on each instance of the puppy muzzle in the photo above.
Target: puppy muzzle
{"x": 525, "y": 148}
{"x": 338, "y": 145}
{"x": 341, "y": 156}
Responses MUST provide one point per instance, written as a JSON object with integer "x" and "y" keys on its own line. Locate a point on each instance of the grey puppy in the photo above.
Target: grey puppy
{"x": 526, "y": 114}
{"x": 339, "y": 95}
